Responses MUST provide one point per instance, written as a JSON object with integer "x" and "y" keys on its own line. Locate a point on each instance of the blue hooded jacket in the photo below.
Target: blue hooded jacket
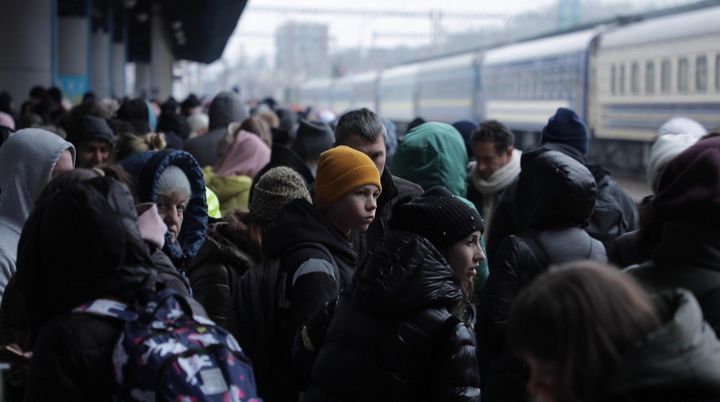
{"x": 147, "y": 167}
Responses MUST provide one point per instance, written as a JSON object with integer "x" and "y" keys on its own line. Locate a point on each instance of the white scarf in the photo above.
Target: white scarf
{"x": 491, "y": 186}
{"x": 498, "y": 180}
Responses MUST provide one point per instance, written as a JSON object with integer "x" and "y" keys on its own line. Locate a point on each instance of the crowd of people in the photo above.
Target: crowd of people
{"x": 346, "y": 262}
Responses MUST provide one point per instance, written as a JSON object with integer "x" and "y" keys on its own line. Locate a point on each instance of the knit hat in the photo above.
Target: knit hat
{"x": 665, "y": 149}
{"x": 340, "y": 171}
{"x": 681, "y": 125}
{"x": 91, "y": 128}
{"x": 438, "y": 216}
{"x": 173, "y": 178}
{"x": 312, "y": 139}
{"x": 689, "y": 187}
{"x": 566, "y": 127}
{"x": 466, "y": 128}
{"x": 277, "y": 187}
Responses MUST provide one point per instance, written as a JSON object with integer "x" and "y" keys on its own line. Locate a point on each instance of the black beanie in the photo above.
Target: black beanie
{"x": 312, "y": 139}
{"x": 566, "y": 127}
{"x": 91, "y": 128}
{"x": 438, "y": 216}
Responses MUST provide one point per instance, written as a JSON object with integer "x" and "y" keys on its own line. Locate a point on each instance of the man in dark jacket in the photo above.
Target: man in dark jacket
{"x": 225, "y": 108}
{"x": 555, "y": 197}
{"x": 363, "y": 130}
{"x": 615, "y": 212}
{"x": 688, "y": 255}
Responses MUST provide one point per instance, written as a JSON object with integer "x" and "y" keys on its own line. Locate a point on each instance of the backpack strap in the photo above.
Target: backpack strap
{"x": 537, "y": 250}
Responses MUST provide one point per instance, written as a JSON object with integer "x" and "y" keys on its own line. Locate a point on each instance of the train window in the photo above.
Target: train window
{"x": 701, "y": 73}
{"x": 665, "y": 74}
{"x": 622, "y": 79}
{"x": 635, "y": 78}
{"x": 682, "y": 74}
{"x": 649, "y": 77}
{"x": 613, "y": 79}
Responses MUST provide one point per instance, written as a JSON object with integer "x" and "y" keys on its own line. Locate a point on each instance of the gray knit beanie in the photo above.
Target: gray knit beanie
{"x": 277, "y": 187}
{"x": 172, "y": 179}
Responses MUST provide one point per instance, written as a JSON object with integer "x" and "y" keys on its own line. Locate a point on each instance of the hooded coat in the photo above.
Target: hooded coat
{"x": 146, "y": 168}
{"x": 393, "y": 336}
{"x": 612, "y": 204}
{"x": 555, "y": 196}
{"x": 309, "y": 280}
{"x": 82, "y": 246}
{"x": 688, "y": 254}
{"x": 225, "y": 108}
{"x": 433, "y": 154}
{"x": 676, "y": 362}
{"x": 27, "y": 160}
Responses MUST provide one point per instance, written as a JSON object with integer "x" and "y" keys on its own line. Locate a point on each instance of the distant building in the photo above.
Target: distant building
{"x": 302, "y": 48}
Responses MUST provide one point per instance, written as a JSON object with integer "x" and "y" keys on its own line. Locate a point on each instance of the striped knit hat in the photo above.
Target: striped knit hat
{"x": 340, "y": 171}
{"x": 438, "y": 216}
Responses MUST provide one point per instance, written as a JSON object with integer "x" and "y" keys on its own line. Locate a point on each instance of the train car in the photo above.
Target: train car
{"x": 446, "y": 88}
{"x": 650, "y": 71}
{"x": 523, "y": 84}
{"x": 316, "y": 93}
{"x": 397, "y": 93}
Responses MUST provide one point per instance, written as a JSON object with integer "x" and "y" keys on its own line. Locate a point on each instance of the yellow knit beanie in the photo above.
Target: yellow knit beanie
{"x": 340, "y": 171}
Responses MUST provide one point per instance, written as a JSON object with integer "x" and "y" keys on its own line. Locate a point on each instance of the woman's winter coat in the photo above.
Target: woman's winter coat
{"x": 394, "y": 336}
{"x": 555, "y": 197}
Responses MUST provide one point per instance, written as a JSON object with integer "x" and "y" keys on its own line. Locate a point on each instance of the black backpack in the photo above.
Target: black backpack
{"x": 258, "y": 296}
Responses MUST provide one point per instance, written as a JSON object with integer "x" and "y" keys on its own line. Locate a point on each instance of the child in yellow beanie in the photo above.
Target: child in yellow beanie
{"x": 308, "y": 254}
{"x": 347, "y": 187}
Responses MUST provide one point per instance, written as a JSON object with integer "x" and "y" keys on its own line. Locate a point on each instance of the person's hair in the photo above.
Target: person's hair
{"x": 581, "y": 317}
{"x": 495, "y": 132}
{"x": 269, "y": 117}
{"x": 130, "y": 144}
{"x": 363, "y": 122}
{"x": 257, "y": 126}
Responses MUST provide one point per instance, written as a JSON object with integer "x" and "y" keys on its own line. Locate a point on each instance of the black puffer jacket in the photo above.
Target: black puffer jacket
{"x": 556, "y": 195}
{"x": 85, "y": 245}
{"x": 394, "y": 190}
{"x": 615, "y": 212}
{"x": 307, "y": 281}
{"x": 393, "y": 337}
{"x": 228, "y": 252}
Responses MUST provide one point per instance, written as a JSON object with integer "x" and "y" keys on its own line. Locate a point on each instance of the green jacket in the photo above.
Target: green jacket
{"x": 232, "y": 191}
{"x": 433, "y": 154}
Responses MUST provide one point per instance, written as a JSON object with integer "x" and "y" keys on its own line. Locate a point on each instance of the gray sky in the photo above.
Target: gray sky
{"x": 253, "y": 36}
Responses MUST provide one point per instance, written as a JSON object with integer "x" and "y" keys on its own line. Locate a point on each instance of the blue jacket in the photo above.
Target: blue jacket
{"x": 147, "y": 167}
